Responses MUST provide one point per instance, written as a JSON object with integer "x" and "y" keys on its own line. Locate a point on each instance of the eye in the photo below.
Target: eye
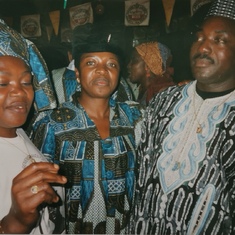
{"x": 90, "y": 62}
{"x": 3, "y": 84}
{"x": 27, "y": 83}
{"x": 220, "y": 40}
{"x": 112, "y": 65}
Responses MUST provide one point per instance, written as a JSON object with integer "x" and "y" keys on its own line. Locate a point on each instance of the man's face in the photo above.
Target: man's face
{"x": 213, "y": 53}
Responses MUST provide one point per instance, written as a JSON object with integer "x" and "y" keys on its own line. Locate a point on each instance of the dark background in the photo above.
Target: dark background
{"x": 176, "y": 36}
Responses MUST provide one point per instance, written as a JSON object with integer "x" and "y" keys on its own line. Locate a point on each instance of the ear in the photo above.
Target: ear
{"x": 77, "y": 75}
{"x": 147, "y": 68}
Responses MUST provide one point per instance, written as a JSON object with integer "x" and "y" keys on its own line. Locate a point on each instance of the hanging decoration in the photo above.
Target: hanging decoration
{"x": 137, "y": 12}
{"x": 168, "y": 6}
{"x": 65, "y": 4}
{"x": 81, "y": 14}
{"x": 55, "y": 20}
{"x": 30, "y": 26}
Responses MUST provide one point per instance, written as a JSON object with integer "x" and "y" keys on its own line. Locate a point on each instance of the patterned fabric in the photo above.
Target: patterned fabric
{"x": 186, "y": 174}
{"x": 100, "y": 172}
{"x": 154, "y": 55}
{"x": 225, "y": 8}
{"x": 14, "y": 44}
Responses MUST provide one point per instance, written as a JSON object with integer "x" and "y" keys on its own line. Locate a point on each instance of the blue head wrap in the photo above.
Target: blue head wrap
{"x": 14, "y": 44}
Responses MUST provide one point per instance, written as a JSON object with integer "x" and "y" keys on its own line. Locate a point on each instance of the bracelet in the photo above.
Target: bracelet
{"x": 1, "y": 230}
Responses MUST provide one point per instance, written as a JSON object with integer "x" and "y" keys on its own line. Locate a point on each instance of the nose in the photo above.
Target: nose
{"x": 17, "y": 90}
{"x": 101, "y": 69}
{"x": 204, "y": 47}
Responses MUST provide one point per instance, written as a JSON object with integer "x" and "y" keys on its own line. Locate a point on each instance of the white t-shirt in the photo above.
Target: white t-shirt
{"x": 13, "y": 159}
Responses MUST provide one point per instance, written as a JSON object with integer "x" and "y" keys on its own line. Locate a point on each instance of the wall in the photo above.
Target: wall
{"x": 175, "y": 36}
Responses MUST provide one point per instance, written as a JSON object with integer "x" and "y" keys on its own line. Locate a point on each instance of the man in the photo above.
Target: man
{"x": 186, "y": 165}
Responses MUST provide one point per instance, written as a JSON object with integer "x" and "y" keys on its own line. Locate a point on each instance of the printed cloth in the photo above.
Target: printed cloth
{"x": 14, "y": 44}
{"x": 155, "y": 55}
{"x": 225, "y": 8}
{"x": 100, "y": 172}
{"x": 186, "y": 165}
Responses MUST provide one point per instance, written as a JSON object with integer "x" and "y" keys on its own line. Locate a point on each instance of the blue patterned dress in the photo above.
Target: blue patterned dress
{"x": 186, "y": 165}
{"x": 100, "y": 172}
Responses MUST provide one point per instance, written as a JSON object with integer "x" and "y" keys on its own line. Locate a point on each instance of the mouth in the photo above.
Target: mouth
{"x": 201, "y": 63}
{"x": 101, "y": 81}
{"x": 18, "y": 107}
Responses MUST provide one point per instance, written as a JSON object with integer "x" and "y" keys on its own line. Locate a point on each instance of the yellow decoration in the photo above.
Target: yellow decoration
{"x": 168, "y": 8}
{"x": 55, "y": 20}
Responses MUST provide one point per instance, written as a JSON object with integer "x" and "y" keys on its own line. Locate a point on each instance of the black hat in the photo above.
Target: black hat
{"x": 225, "y": 8}
{"x": 86, "y": 38}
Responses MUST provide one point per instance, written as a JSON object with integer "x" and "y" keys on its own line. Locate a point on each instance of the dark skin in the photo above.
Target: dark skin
{"x": 98, "y": 73}
{"x": 16, "y": 97}
{"x": 213, "y": 55}
{"x": 139, "y": 72}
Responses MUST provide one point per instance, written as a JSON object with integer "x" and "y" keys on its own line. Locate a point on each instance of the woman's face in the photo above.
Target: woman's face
{"x": 136, "y": 68}
{"x": 98, "y": 74}
{"x": 16, "y": 94}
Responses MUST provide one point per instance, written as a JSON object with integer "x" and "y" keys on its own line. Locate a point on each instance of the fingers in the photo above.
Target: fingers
{"x": 35, "y": 181}
{"x": 41, "y": 171}
{"x": 32, "y": 188}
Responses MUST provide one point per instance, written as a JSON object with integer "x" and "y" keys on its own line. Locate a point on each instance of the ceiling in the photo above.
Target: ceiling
{"x": 24, "y": 7}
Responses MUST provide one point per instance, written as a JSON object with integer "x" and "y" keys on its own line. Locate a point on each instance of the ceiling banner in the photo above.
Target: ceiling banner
{"x": 30, "y": 26}
{"x": 137, "y": 13}
{"x": 55, "y": 20}
{"x": 81, "y": 14}
{"x": 168, "y": 8}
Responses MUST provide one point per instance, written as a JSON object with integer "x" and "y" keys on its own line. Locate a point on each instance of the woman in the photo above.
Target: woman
{"x": 93, "y": 138}
{"x": 149, "y": 68}
{"x": 26, "y": 177}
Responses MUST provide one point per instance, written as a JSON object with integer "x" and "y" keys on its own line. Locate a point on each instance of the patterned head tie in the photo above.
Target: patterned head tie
{"x": 14, "y": 44}
{"x": 155, "y": 55}
{"x": 225, "y": 8}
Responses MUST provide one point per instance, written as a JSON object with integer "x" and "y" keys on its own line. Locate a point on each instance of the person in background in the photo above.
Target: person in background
{"x": 186, "y": 158}
{"x": 93, "y": 138}
{"x": 149, "y": 68}
{"x": 29, "y": 202}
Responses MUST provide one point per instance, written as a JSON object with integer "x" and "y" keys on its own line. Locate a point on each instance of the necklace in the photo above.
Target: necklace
{"x": 29, "y": 159}
{"x": 199, "y": 125}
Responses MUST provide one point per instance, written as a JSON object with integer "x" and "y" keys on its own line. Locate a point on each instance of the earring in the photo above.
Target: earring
{"x": 78, "y": 80}
{"x": 147, "y": 74}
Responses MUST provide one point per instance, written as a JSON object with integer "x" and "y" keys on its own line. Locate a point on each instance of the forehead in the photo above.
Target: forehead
{"x": 104, "y": 54}
{"x": 7, "y": 60}
{"x": 219, "y": 24}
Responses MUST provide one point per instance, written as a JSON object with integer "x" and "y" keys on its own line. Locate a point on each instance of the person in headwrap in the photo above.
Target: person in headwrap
{"x": 186, "y": 157}
{"x": 93, "y": 138}
{"x": 149, "y": 68}
{"x": 29, "y": 203}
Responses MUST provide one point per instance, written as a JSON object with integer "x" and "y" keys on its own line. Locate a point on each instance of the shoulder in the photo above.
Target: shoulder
{"x": 132, "y": 109}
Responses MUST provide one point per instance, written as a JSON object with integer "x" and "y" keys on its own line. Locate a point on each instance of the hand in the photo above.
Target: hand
{"x": 24, "y": 212}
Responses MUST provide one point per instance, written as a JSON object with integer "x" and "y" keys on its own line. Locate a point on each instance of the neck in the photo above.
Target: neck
{"x": 8, "y": 133}
{"x": 96, "y": 108}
